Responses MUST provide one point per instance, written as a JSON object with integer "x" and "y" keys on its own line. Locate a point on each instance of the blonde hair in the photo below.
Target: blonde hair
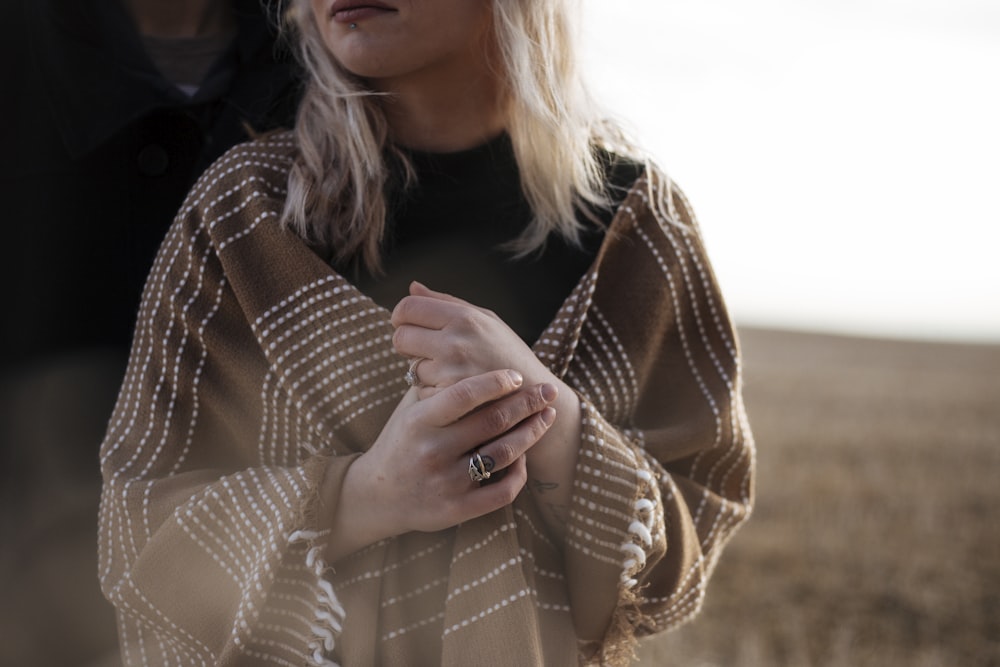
{"x": 336, "y": 187}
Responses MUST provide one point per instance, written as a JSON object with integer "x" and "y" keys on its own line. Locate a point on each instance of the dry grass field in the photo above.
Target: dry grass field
{"x": 875, "y": 539}
{"x": 874, "y": 542}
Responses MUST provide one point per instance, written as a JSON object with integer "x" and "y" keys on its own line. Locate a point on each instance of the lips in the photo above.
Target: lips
{"x": 348, "y": 11}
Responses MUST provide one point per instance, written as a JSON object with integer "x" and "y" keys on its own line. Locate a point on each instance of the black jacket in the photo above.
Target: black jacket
{"x": 99, "y": 152}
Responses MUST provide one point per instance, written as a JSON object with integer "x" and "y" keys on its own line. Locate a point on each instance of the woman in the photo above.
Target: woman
{"x": 317, "y": 459}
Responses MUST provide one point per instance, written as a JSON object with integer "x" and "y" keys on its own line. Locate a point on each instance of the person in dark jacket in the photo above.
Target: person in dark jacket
{"x": 112, "y": 110}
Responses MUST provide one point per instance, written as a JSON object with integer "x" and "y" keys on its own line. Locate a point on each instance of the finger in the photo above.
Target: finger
{"x": 451, "y": 404}
{"x": 490, "y": 497}
{"x": 414, "y": 341}
{"x": 428, "y": 312}
{"x": 425, "y": 391}
{"x": 445, "y": 359}
{"x": 419, "y": 289}
{"x": 423, "y": 374}
{"x": 497, "y": 418}
{"x": 502, "y": 452}
{"x": 433, "y": 376}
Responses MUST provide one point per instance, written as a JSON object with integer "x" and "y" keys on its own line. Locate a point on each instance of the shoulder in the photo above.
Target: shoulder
{"x": 257, "y": 168}
{"x": 268, "y": 157}
{"x": 655, "y": 199}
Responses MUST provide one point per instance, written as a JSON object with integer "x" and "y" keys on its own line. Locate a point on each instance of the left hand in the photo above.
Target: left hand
{"x": 456, "y": 340}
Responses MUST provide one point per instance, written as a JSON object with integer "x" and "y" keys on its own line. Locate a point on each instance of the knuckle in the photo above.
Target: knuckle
{"x": 461, "y": 351}
{"x": 397, "y": 337}
{"x": 466, "y": 321}
{"x": 508, "y": 493}
{"x": 436, "y": 463}
{"x": 464, "y": 393}
{"x": 538, "y": 429}
{"x": 497, "y": 419}
{"x": 468, "y": 324}
{"x": 534, "y": 400}
{"x": 505, "y": 454}
{"x": 502, "y": 381}
{"x": 403, "y": 309}
{"x": 425, "y": 454}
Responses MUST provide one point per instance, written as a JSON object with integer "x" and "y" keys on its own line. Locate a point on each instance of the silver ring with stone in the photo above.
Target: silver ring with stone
{"x": 477, "y": 468}
{"x": 411, "y": 373}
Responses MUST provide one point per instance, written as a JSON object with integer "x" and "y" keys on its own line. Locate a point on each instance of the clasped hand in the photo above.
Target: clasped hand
{"x": 458, "y": 340}
{"x": 481, "y": 389}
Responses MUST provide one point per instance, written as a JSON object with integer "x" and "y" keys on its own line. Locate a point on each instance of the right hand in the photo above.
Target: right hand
{"x": 416, "y": 474}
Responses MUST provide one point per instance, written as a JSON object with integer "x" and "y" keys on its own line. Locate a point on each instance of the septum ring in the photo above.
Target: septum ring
{"x": 477, "y": 468}
{"x": 411, "y": 373}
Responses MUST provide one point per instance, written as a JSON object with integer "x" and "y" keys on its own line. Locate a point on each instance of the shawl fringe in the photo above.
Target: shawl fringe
{"x": 621, "y": 641}
{"x": 328, "y": 613}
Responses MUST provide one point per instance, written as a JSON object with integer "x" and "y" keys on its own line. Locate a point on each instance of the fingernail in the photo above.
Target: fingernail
{"x": 549, "y": 392}
{"x": 515, "y": 377}
{"x": 548, "y": 416}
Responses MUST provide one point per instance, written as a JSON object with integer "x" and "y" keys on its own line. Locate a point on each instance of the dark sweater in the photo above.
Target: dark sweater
{"x": 448, "y": 230}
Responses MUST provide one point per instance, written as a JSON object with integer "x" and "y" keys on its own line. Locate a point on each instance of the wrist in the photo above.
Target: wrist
{"x": 557, "y": 449}
{"x": 357, "y": 519}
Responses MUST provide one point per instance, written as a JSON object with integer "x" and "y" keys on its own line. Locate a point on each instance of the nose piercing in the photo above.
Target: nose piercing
{"x": 353, "y": 26}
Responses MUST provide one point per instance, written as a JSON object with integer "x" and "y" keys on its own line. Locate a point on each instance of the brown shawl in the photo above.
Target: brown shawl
{"x": 256, "y": 371}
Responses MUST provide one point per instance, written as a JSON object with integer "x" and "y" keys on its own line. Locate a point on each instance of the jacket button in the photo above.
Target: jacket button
{"x": 153, "y": 160}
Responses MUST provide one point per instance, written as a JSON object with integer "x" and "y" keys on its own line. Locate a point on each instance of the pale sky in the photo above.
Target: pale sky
{"x": 842, "y": 156}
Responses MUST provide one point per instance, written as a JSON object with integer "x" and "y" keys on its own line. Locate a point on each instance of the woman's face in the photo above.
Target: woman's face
{"x": 395, "y": 41}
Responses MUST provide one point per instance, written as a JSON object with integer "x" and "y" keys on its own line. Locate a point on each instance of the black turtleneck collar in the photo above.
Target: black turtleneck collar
{"x": 449, "y": 228}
